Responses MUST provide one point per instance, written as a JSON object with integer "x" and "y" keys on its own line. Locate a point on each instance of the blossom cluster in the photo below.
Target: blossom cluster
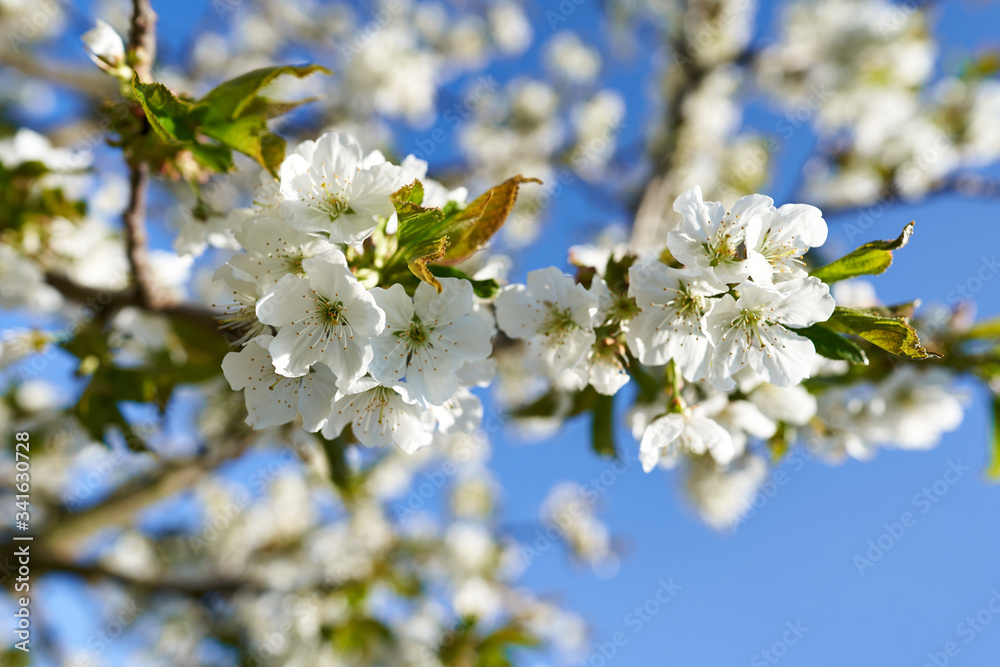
{"x": 722, "y": 300}
{"x": 319, "y": 336}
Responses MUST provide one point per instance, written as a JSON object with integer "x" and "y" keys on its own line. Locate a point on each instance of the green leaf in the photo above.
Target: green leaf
{"x": 232, "y": 113}
{"x": 832, "y": 345}
{"x": 422, "y": 255}
{"x": 168, "y": 115}
{"x": 870, "y": 259}
{"x": 428, "y": 236}
{"x": 238, "y": 97}
{"x": 993, "y": 471}
{"x": 251, "y": 137}
{"x": 985, "y": 329}
{"x": 981, "y": 67}
{"x": 412, "y": 193}
{"x": 616, "y": 272}
{"x": 484, "y": 289}
{"x": 554, "y": 402}
{"x": 97, "y": 408}
{"x": 892, "y": 334}
{"x": 472, "y": 227}
{"x": 203, "y": 353}
{"x": 603, "y": 426}
{"x": 512, "y": 634}
{"x": 467, "y": 229}
{"x": 415, "y": 225}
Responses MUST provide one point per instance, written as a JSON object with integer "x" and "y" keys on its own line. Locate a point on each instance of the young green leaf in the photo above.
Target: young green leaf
{"x": 986, "y": 329}
{"x": 232, "y": 113}
{"x": 472, "y": 227}
{"x": 238, "y": 97}
{"x": 168, "y": 115}
{"x": 467, "y": 229}
{"x": 832, "y": 345}
{"x": 870, "y": 259}
{"x": 426, "y": 235}
{"x": 412, "y": 193}
{"x": 892, "y": 334}
{"x": 422, "y": 255}
{"x": 993, "y": 472}
{"x": 415, "y": 221}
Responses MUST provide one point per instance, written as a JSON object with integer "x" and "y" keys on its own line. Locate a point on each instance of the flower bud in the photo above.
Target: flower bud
{"x": 105, "y": 47}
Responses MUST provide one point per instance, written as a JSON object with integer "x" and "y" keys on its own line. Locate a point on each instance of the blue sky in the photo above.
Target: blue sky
{"x": 793, "y": 564}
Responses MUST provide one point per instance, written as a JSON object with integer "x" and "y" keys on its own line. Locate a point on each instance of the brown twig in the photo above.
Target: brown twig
{"x": 95, "y": 85}
{"x": 107, "y": 303}
{"x": 63, "y": 541}
{"x": 134, "y": 219}
{"x": 142, "y": 43}
{"x": 142, "y": 51}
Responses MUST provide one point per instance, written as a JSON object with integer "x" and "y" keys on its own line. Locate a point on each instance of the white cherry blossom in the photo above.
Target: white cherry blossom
{"x": 603, "y": 365}
{"x": 672, "y": 305}
{"x": 330, "y": 186}
{"x": 326, "y": 316}
{"x": 378, "y": 415}
{"x": 22, "y": 284}
{"x": 462, "y": 413}
{"x": 274, "y": 250}
{"x": 784, "y": 237}
{"x": 715, "y": 240}
{"x": 666, "y": 440}
{"x": 274, "y": 399}
{"x": 427, "y": 338}
{"x": 553, "y": 313}
{"x": 753, "y": 332}
{"x": 239, "y": 316}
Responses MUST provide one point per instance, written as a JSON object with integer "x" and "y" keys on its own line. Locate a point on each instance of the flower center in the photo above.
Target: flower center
{"x": 748, "y": 319}
{"x": 334, "y": 206}
{"x": 559, "y": 321}
{"x": 624, "y": 308}
{"x": 687, "y": 304}
{"x": 416, "y": 334}
{"x": 294, "y": 264}
{"x": 720, "y": 250}
{"x": 331, "y": 313}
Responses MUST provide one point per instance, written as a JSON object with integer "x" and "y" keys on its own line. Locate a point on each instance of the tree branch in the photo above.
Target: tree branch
{"x": 142, "y": 43}
{"x": 188, "y": 586}
{"x": 96, "y": 85}
{"x": 142, "y": 52}
{"x": 106, "y": 302}
{"x": 682, "y": 79}
{"x": 63, "y": 540}
{"x": 134, "y": 220}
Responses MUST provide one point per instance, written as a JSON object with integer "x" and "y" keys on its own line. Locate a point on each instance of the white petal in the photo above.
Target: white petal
{"x": 289, "y": 300}
{"x": 316, "y": 397}
{"x": 454, "y": 301}
{"x": 805, "y": 302}
{"x": 398, "y": 307}
{"x": 790, "y": 360}
{"x": 659, "y": 435}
